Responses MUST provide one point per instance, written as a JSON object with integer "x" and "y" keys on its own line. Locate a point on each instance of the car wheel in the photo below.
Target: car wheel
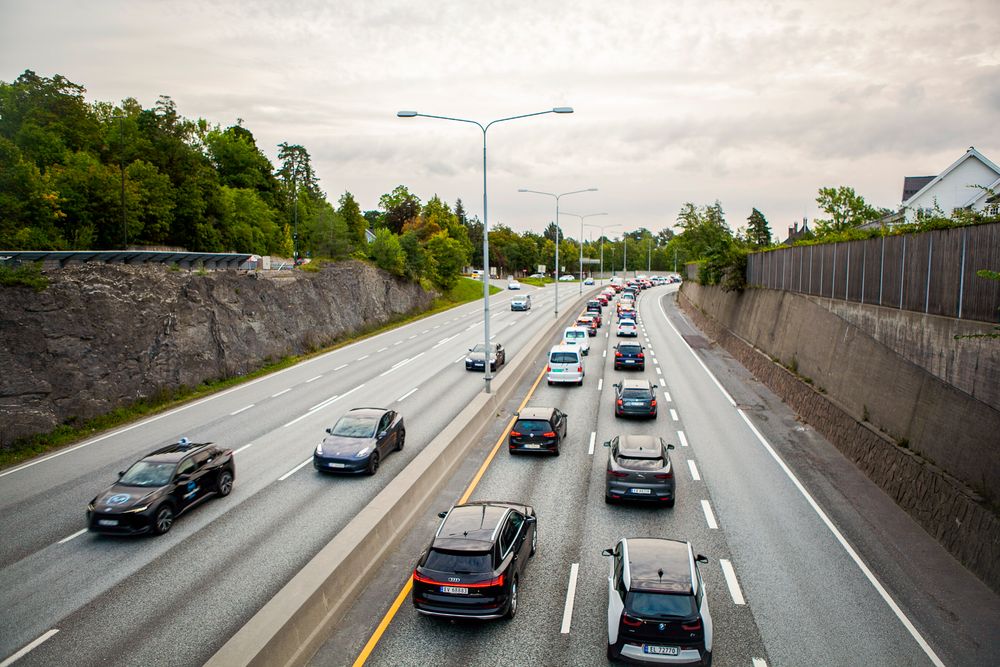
{"x": 580, "y": 383}
{"x": 401, "y": 441}
{"x": 550, "y": 383}
{"x": 669, "y": 503}
{"x": 707, "y": 660}
{"x": 225, "y": 483}
{"x": 163, "y": 519}
{"x": 555, "y": 452}
{"x": 613, "y": 652}
{"x": 608, "y": 500}
{"x": 534, "y": 540}
{"x": 512, "y": 608}
{"x": 372, "y": 463}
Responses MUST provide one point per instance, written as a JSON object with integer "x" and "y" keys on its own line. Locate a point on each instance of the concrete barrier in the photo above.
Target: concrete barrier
{"x": 291, "y": 627}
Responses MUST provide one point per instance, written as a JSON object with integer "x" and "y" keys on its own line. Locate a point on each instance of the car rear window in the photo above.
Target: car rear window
{"x": 629, "y": 349}
{"x": 564, "y": 358}
{"x": 575, "y": 334}
{"x": 531, "y": 425}
{"x": 660, "y": 605}
{"x": 635, "y": 393}
{"x": 640, "y": 464}
{"x": 459, "y": 561}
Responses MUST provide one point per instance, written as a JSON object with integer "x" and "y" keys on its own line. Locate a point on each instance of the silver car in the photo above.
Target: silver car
{"x": 639, "y": 469}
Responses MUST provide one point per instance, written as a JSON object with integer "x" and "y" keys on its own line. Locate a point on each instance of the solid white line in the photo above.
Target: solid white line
{"x": 570, "y": 596}
{"x": 363, "y": 357}
{"x": 682, "y": 438}
{"x": 759, "y": 662}
{"x": 443, "y": 341}
{"x": 249, "y": 444}
{"x": 27, "y": 649}
{"x": 658, "y": 371}
{"x": 246, "y": 407}
{"x": 406, "y": 394}
{"x": 295, "y": 469}
{"x": 600, "y": 384}
{"x": 697, "y": 358}
{"x": 666, "y": 394}
{"x": 313, "y": 379}
{"x": 709, "y": 516}
{"x": 283, "y": 391}
{"x": 694, "y": 470}
{"x": 76, "y": 534}
{"x": 593, "y": 438}
{"x": 731, "y": 581}
{"x": 673, "y": 414}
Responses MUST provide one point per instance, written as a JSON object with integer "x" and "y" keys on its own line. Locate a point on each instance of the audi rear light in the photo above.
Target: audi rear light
{"x": 495, "y": 581}
{"x": 691, "y": 627}
{"x": 631, "y": 622}
{"x": 549, "y": 434}
{"x": 641, "y": 355}
{"x": 426, "y": 580}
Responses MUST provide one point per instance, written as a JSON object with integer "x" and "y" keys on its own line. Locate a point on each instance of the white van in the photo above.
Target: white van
{"x": 565, "y": 364}
{"x": 579, "y": 337}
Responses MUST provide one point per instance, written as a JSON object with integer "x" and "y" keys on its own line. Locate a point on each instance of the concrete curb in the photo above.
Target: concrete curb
{"x": 291, "y": 627}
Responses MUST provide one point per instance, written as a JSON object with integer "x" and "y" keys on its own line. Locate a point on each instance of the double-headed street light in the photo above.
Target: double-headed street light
{"x": 486, "y": 226}
{"x": 602, "y": 228}
{"x": 557, "y": 196}
{"x": 582, "y": 217}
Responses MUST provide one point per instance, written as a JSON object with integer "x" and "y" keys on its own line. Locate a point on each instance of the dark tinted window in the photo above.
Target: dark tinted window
{"x": 459, "y": 561}
{"x": 355, "y": 427}
{"x": 186, "y": 467}
{"x": 635, "y": 393}
{"x": 629, "y": 349}
{"x": 145, "y": 473}
{"x": 564, "y": 358}
{"x": 532, "y": 426}
{"x": 640, "y": 464}
{"x": 660, "y": 605}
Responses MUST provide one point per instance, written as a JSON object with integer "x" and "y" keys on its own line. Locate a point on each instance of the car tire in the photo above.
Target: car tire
{"x": 401, "y": 441}
{"x": 163, "y": 519}
{"x": 556, "y": 452}
{"x": 608, "y": 500}
{"x": 372, "y": 464}
{"x": 512, "y": 606}
{"x": 224, "y": 485}
{"x": 614, "y": 653}
{"x": 669, "y": 503}
{"x": 707, "y": 660}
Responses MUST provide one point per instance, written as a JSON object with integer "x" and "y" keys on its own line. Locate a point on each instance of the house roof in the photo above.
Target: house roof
{"x": 914, "y": 184}
{"x": 969, "y": 154}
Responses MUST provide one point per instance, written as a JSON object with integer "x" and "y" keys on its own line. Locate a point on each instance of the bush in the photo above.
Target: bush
{"x": 26, "y": 275}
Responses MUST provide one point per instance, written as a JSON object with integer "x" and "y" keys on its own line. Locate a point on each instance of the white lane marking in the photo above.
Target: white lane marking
{"x": 381, "y": 349}
{"x": 340, "y": 367}
{"x": 27, "y": 649}
{"x": 363, "y": 357}
{"x": 570, "y": 596}
{"x": 493, "y": 336}
{"x": 245, "y": 407}
{"x": 604, "y": 354}
{"x": 731, "y": 581}
{"x": 666, "y": 394}
{"x": 682, "y": 438}
{"x": 398, "y": 342}
{"x": 313, "y": 379}
{"x": 76, "y": 534}
{"x": 443, "y": 341}
{"x": 816, "y": 508}
{"x": 600, "y": 384}
{"x": 398, "y": 400}
{"x": 709, "y": 516}
{"x": 320, "y": 406}
{"x": 759, "y": 662}
{"x": 593, "y": 438}
{"x": 473, "y": 326}
{"x": 412, "y": 337}
{"x": 658, "y": 371}
{"x": 424, "y": 331}
{"x": 651, "y": 353}
{"x": 400, "y": 364}
{"x": 663, "y": 383}
{"x": 694, "y": 470}
{"x": 673, "y": 414}
{"x": 295, "y": 469}
{"x": 249, "y": 444}
{"x": 283, "y": 391}
{"x": 459, "y": 359}
{"x": 607, "y": 334}
{"x": 656, "y": 362}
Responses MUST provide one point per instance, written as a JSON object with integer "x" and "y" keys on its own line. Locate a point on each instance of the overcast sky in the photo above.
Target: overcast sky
{"x": 752, "y": 103}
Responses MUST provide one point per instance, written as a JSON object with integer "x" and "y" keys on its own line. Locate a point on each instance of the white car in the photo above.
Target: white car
{"x": 566, "y": 277}
{"x": 626, "y": 328}
{"x": 578, "y": 336}
{"x": 513, "y": 284}
{"x": 565, "y": 365}
{"x": 657, "y": 604}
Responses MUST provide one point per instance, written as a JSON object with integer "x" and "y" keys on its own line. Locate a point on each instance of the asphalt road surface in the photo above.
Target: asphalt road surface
{"x": 810, "y": 563}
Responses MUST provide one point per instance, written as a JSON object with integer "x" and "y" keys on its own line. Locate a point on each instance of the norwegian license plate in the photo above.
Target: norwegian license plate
{"x": 458, "y": 590}
{"x": 661, "y": 650}
{"x": 630, "y": 361}
{"x": 557, "y": 370}
{"x": 107, "y": 522}
{"x": 641, "y": 491}
{"x": 337, "y": 465}
{"x": 634, "y": 404}
{"x": 532, "y": 446}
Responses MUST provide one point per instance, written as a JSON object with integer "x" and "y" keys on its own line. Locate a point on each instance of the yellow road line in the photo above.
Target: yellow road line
{"x": 389, "y": 615}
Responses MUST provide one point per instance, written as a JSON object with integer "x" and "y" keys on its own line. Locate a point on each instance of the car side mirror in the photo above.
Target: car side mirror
{"x": 531, "y": 519}
{"x": 382, "y": 434}
{"x": 670, "y": 446}
{"x": 701, "y": 559}
{"x": 470, "y": 349}
{"x": 121, "y": 473}
{"x": 607, "y": 443}
{"x": 329, "y": 431}
{"x": 607, "y": 552}
{"x": 443, "y": 514}
{"x": 183, "y": 477}
{"x": 616, "y": 385}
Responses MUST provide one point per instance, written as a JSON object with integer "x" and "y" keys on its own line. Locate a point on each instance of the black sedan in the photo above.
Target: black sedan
{"x": 359, "y": 441}
{"x": 475, "y": 360}
{"x": 161, "y": 486}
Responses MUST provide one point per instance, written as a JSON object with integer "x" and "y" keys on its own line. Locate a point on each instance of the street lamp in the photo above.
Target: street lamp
{"x": 602, "y": 228}
{"x": 121, "y": 164}
{"x": 556, "y": 197}
{"x": 576, "y": 215}
{"x": 486, "y": 225}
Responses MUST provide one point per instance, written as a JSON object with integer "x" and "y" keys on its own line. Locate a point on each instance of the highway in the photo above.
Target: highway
{"x": 809, "y": 563}
{"x": 175, "y": 599}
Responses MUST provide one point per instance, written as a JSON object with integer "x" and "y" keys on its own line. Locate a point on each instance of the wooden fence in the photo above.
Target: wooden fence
{"x": 930, "y": 272}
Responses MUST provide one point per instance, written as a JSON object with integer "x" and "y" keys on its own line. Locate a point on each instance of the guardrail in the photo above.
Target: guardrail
{"x": 291, "y": 627}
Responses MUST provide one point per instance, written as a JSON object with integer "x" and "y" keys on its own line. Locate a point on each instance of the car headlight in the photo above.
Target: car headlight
{"x": 319, "y": 449}
{"x": 363, "y": 452}
{"x": 136, "y": 510}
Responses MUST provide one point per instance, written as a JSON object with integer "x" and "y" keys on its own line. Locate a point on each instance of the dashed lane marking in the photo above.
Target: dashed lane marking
{"x": 244, "y": 408}
{"x": 249, "y": 444}
{"x": 70, "y": 537}
{"x": 666, "y": 394}
{"x": 600, "y": 384}
{"x": 363, "y": 357}
{"x": 313, "y": 379}
{"x": 295, "y": 469}
{"x": 407, "y": 394}
{"x": 320, "y": 406}
{"x": 731, "y": 581}
{"x": 340, "y": 367}
{"x": 709, "y": 515}
{"x": 570, "y": 597}
{"x": 673, "y": 414}
{"x": 283, "y": 391}
{"x": 682, "y": 438}
{"x": 593, "y": 439}
{"x": 694, "y": 470}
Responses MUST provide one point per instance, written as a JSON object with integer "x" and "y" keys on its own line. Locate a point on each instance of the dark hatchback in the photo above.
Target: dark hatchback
{"x": 474, "y": 564}
{"x": 629, "y": 355}
{"x": 359, "y": 441}
{"x": 161, "y": 486}
{"x": 639, "y": 468}
{"x": 595, "y": 306}
{"x": 635, "y": 398}
{"x": 537, "y": 430}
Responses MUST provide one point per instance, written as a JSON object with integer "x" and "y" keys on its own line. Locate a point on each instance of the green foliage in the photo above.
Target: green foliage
{"x": 416, "y": 261}
{"x": 398, "y": 207}
{"x": 448, "y": 257}
{"x": 26, "y": 275}
{"x": 758, "y": 230}
{"x": 350, "y": 212}
{"x": 846, "y": 209}
{"x": 387, "y": 253}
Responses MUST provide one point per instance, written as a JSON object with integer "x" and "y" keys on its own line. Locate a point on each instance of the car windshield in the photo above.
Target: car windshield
{"x": 660, "y": 605}
{"x": 636, "y": 393}
{"x": 633, "y": 463}
{"x": 532, "y": 425}
{"x": 459, "y": 562}
{"x": 575, "y": 334}
{"x": 355, "y": 427}
{"x": 148, "y": 473}
{"x": 478, "y": 349}
{"x": 564, "y": 358}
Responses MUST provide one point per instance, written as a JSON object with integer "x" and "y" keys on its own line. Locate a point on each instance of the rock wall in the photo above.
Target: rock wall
{"x": 946, "y": 508}
{"x": 104, "y": 336}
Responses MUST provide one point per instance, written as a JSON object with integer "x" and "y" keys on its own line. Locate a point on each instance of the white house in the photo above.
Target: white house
{"x": 959, "y": 186}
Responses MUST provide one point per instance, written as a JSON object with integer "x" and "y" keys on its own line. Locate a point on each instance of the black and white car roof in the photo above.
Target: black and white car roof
{"x": 659, "y": 565}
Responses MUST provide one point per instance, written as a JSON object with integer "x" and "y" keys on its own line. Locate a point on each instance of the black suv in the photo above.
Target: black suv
{"x": 635, "y": 398}
{"x": 473, "y": 565}
{"x": 160, "y": 487}
{"x": 629, "y": 355}
{"x": 657, "y": 606}
{"x": 537, "y": 429}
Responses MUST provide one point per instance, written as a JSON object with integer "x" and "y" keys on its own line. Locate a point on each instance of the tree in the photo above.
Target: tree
{"x": 387, "y": 253}
{"x": 758, "y": 230}
{"x": 398, "y": 206}
{"x": 416, "y": 260}
{"x": 350, "y": 213}
{"x": 239, "y": 163}
{"x": 153, "y": 209}
{"x": 846, "y": 209}
{"x": 448, "y": 257}
{"x": 29, "y": 210}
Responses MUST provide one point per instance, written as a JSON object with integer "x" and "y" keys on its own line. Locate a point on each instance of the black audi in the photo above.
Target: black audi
{"x": 161, "y": 486}
{"x": 474, "y": 564}
{"x": 359, "y": 441}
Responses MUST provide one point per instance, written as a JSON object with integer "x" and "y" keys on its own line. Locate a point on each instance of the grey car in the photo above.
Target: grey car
{"x": 639, "y": 469}
{"x": 635, "y": 398}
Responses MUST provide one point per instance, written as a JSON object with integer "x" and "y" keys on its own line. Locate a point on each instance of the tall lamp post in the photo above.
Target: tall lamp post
{"x": 557, "y": 197}
{"x": 486, "y": 224}
{"x": 582, "y": 218}
{"x": 121, "y": 168}
{"x": 602, "y": 228}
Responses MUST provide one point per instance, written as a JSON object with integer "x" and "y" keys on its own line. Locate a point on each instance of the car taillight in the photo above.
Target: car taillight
{"x": 548, "y": 369}
{"x": 618, "y": 354}
{"x": 615, "y": 473}
{"x": 652, "y": 403}
{"x": 425, "y": 580}
{"x": 620, "y": 402}
{"x": 640, "y": 355}
{"x": 495, "y": 581}
{"x": 579, "y": 369}
{"x": 691, "y": 627}
{"x": 667, "y": 475}
{"x": 631, "y": 622}
{"x": 549, "y": 434}
{"x": 516, "y": 434}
